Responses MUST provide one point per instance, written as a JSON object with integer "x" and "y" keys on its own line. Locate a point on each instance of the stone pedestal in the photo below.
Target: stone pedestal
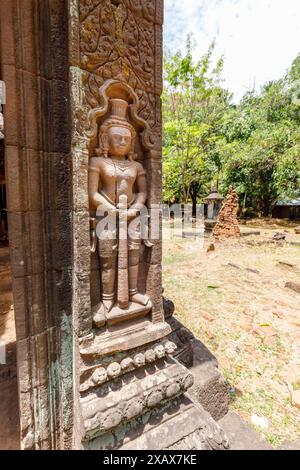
{"x": 214, "y": 204}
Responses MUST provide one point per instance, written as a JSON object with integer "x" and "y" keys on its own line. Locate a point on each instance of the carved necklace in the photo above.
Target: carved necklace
{"x": 121, "y": 164}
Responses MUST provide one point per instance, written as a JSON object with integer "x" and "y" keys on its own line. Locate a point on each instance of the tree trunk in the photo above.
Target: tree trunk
{"x": 194, "y": 196}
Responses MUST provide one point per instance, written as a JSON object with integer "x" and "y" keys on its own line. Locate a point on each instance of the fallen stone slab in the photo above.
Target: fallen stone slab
{"x": 288, "y": 265}
{"x": 248, "y": 234}
{"x": 293, "y": 286}
{"x": 232, "y": 265}
{"x": 260, "y": 242}
{"x": 294, "y": 243}
{"x": 252, "y": 271}
{"x": 279, "y": 236}
{"x": 241, "y": 435}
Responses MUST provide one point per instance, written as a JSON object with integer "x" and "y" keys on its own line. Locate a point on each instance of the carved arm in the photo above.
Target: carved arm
{"x": 96, "y": 199}
{"x": 141, "y": 196}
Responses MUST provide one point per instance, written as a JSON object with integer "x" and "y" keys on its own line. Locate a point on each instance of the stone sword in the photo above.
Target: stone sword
{"x": 123, "y": 288}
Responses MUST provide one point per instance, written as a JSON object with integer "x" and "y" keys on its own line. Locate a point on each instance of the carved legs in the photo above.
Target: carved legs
{"x": 109, "y": 251}
{"x": 108, "y": 264}
{"x": 134, "y": 248}
{"x": 134, "y": 295}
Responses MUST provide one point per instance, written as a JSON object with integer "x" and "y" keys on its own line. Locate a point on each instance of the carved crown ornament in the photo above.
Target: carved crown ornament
{"x": 114, "y": 90}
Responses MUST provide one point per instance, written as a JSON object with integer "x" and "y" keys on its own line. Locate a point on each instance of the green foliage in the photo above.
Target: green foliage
{"x": 192, "y": 103}
{"x": 254, "y": 146}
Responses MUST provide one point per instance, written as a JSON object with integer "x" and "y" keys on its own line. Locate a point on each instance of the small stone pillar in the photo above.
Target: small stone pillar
{"x": 214, "y": 204}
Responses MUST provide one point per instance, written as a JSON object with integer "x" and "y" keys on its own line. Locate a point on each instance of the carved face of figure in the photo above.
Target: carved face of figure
{"x": 119, "y": 141}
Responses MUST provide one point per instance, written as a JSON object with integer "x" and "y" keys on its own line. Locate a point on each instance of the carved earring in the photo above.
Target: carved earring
{"x": 132, "y": 155}
{"x": 103, "y": 150}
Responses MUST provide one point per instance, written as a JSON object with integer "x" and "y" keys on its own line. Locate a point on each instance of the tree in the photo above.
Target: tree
{"x": 253, "y": 146}
{"x": 265, "y": 128}
{"x": 193, "y": 102}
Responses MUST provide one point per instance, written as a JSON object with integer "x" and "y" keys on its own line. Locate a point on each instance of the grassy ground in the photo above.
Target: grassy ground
{"x": 235, "y": 300}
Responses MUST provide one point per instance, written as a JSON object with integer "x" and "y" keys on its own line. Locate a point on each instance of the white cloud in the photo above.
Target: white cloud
{"x": 259, "y": 38}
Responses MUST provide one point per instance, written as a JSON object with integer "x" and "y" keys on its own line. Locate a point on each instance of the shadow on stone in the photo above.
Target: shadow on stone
{"x": 210, "y": 388}
{"x": 9, "y": 403}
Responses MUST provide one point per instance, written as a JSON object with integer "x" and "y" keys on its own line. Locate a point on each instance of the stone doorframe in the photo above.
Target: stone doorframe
{"x": 35, "y": 68}
{"x": 48, "y": 86}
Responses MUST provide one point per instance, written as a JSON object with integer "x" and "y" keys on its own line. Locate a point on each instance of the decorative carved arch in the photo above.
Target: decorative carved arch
{"x": 118, "y": 89}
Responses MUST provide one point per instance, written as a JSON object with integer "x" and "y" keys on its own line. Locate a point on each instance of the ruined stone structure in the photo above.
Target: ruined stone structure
{"x": 214, "y": 204}
{"x": 227, "y": 224}
{"x": 83, "y": 132}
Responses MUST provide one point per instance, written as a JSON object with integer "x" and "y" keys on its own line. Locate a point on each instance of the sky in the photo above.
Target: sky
{"x": 258, "y": 38}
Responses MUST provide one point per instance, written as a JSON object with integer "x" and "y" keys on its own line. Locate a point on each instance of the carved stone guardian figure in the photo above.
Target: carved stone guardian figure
{"x": 117, "y": 192}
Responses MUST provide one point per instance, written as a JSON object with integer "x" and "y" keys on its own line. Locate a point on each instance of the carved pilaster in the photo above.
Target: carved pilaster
{"x": 71, "y": 67}
{"x": 34, "y": 64}
{"x": 125, "y": 364}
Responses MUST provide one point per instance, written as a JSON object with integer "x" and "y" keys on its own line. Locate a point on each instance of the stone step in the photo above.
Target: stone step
{"x": 121, "y": 400}
{"x": 241, "y": 435}
{"x": 184, "y": 426}
{"x": 210, "y": 388}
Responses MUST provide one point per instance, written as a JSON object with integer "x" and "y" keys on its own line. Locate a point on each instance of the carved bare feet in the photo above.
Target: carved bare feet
{"x": 140, "y": 299}
{"x": 99, "y": 318}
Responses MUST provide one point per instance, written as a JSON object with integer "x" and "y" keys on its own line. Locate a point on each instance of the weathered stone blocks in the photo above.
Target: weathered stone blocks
{"x": 227, "y": 223}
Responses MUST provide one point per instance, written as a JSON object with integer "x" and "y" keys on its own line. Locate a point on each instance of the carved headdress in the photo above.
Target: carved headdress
{"x": 117, "y": 118}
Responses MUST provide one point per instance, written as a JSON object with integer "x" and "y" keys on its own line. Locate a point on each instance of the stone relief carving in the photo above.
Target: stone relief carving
{"x": 121, "y": 43}
{"x": 97, "y": 375}
{"x": 117, "y": 195}
{"x": 128, "y": 376}
{"x": 118, "y": 39}
{"x": 122, "y": 406}
{"x": 208, "y": 437}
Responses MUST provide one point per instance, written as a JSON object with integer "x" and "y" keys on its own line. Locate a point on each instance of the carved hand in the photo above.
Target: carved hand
{"x": 132, "y": 213}
{"x": 107, "y": 207}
